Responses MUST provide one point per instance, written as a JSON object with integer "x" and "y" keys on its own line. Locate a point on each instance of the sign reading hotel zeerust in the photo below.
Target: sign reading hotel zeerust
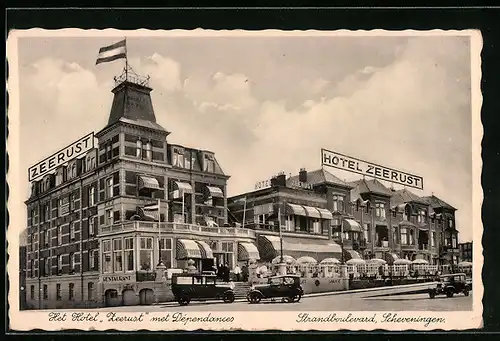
{"x": 75, "y": 149}
{"x": 353, "y": 165}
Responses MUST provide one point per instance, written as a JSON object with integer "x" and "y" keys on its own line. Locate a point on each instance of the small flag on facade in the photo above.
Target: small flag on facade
{"x": 112, "y": 52}
{"x": 149, "y": 212}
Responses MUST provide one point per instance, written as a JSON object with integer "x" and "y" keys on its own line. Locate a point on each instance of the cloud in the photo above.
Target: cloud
{"x": 221, "y": 91}
{"x": 165, "y": 73}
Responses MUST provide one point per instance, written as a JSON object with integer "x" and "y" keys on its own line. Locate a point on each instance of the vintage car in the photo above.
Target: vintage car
{"x": 200, "y": 287}
{"x": 450, "y": 285}
{"x": 286, "y": 287}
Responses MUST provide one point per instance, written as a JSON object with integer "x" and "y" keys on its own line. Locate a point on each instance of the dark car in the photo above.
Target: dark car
{"x": 450, "y": 285}
{"x": 201, "y": 287}
{"x": 286, "y": 286}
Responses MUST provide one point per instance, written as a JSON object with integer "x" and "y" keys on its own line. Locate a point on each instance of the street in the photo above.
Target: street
{"x": 342, "y": 302}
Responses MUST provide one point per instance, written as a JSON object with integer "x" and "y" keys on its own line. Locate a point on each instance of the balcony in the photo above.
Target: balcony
{"x": 145, "y": 276}
{"x": 146, "y": 226}
{"x": 382, "y": 245}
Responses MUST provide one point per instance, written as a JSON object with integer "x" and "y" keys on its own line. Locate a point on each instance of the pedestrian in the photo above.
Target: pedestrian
{"x": 226, "y": 272}
{"x": 237, "y": 272}
{"x": 245, "y": 273}
{"x": 220, "y": 271}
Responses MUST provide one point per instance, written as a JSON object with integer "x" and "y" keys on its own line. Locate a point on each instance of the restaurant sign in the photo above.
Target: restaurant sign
{"x": 72, "y": 151}
{"x": 117, "y": 278}
{"x": 370, "y": 169}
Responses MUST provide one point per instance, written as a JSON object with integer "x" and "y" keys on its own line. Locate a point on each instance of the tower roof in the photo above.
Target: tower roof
{"x": 132, "y": 102}
{"x": 372, "y": 186}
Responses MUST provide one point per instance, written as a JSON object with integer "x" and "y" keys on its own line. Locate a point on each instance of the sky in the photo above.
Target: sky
{"x": 269, "y": 104}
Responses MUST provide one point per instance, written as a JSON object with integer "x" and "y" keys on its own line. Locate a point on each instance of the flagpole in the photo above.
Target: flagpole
{"x": 244, "y": 213}
{"x": 280, "y": 234}
{"x": 159, "y": 233}
{"x": 183, "y": 214}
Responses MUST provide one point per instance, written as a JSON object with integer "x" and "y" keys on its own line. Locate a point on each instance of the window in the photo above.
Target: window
{"x": 406, "y": 213}
{"x": 454, "y": 241}
{"x": 32, "y": 268}
{"x": 209, "y": 163}
{"x": 58, "y": 292}
{"x": 433, "y": 238}
{"x": 47, "y": 237}
{"x": 32, "y": 292}
{"x": 421, "y": 216}
{"x": 71, "y": 202}
{"x": 106, "y": 248}
{"x": 73, "y": 170}
{"x": 92, "y": 259}
{"x": 138, "y": 150}
{"x": 338, "y": 203}
{"x": 72, "y": 230}
{"x": 91, "y": 226}
{"x": 412, "y": 237}
{"x": 450, "y": 223}
{"x": 90, "y": 291}
{"x": 47, "y": 266}
{"x": 166, "y": 251}
{"x": 366, "y": 232}
{"x": 148, "y": 151}
{"x": 129, "y": 254}
{"x": 59, "y": 235}
{"x": 91, "y": 196}
{"x": 316, "y": 227}
{"x": 380, "y": 210}
{"x": 109, "y": 187}
{"x": 46, "y": 213}
{"x": 404, "y": 236}
{"x": 59, "y": 264}
{"x": 71, "y": 291}
{"x": 187, "y": 161}
{"x": 45, "y": 292}
{"x": 109, "y": 217}
{"x": 117, "y": 255}
{"x": 146, "y": 253}
{"x": 59, "y": 177}
{"x": 72, "y": 261}
{"x": 395, "y": 235}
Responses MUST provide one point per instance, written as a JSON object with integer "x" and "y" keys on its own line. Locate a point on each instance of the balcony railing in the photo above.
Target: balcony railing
{"x": 147, "y": 226}
{"x": 382, "y": 244}
{"x": 424, "y": 247}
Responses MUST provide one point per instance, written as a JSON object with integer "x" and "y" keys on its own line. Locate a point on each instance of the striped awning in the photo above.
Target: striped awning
{"x": 214, "y": 192}
{"x": 312, "y": 212}
{"x": 206, "y": 251}
{"x": 325, "y": 214}
{"x": 269, "y": 247}
{"x": 292, "y": 209}
{"x": 247, "y": 251}
{"x": 148, "y": 182}
{"x": 351, "y": 225}
{"x": 181, "y": 188}
{"x": 354, "y": 254}
{"x": 187, "y": 248}
{"x": 390, "y": 258}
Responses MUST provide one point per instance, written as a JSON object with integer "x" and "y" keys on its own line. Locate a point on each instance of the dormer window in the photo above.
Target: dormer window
{"x": 47, "y": 184}
{"x": 138, "y": 152}
{"x": 421, "y": 216}
{"x": 209, "y": 163}
{"x": 380, "y": 210}
{"x": 178, "y": 157}
{"x": 338, "y": 203}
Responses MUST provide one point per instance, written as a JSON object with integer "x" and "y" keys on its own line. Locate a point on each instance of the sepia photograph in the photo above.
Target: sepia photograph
{"x": 301, "y": 180}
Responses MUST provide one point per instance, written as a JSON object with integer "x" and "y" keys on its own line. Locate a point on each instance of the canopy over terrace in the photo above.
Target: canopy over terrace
{"x": 269, "y": 247}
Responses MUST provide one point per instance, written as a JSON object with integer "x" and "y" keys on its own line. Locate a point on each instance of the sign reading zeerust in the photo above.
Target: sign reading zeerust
{"x": 354, "y": 165}
{"x": 75, "y": 149}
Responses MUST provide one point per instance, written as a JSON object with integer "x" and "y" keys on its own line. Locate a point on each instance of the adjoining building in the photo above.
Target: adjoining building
{"x": 94, "y": 236}
{"x": 465, "y": 251}
{"x": 323, "y": 216}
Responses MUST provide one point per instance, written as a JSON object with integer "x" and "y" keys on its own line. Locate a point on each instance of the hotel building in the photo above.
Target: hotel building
{"x": 93, "y": 241}
{"x": 323, "y": 216}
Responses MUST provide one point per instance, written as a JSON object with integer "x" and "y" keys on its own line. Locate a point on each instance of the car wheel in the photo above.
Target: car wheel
{"x": 432, "y": 294}
{"x": 184, "y": 300}
{"x": 449, "y": 293}
{"x": 255, "y": 297}
{"x": 466, "y": 292}
{"x": 228, "y": 297}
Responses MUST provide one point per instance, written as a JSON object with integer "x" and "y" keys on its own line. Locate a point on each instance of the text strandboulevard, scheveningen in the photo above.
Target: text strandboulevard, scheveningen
{"x": 350, "y": 318}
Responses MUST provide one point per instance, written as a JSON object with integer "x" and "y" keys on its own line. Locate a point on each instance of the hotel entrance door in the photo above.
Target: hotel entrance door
{"x": 224, "y": 258}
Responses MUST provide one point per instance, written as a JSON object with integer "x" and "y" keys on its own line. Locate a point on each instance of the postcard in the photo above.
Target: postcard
{"x": 238, "y": 180}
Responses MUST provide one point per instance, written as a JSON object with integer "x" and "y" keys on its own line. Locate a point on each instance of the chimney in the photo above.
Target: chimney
{"x": 274, "y": 181}
{"x": 281, "y": 179}
{"x": 302, "y": 175}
